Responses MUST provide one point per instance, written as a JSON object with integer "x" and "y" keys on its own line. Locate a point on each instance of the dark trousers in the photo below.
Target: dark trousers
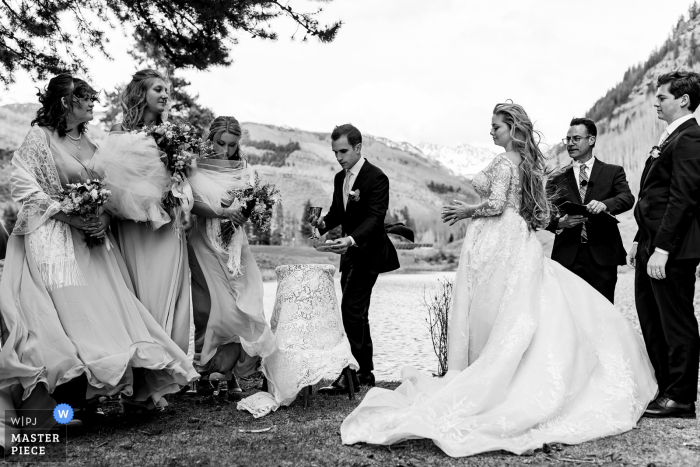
{"x": 667, "y": 318}
{"x": 201, "y": 301}
{"x": 357, "y": 290}
{"x": 601, "y": 278}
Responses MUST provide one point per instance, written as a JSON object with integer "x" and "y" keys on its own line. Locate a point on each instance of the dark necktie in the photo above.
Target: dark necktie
{"x": 583, "y": 184}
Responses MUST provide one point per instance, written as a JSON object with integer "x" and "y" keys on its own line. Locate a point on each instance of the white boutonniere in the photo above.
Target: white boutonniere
{"x": 354, "y": 195}
{"x": 655, "y": 152}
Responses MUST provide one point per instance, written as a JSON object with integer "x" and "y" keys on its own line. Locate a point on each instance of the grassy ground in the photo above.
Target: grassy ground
{"x": 208, "y": 431}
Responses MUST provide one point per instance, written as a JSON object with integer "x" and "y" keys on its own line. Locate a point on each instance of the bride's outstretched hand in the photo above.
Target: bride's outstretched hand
{"x": 457, "y": 211}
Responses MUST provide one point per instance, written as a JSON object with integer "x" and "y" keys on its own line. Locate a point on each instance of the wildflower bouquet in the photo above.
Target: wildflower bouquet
{"x": 86, "y": 199}
{"x": 257, "y": 202}
{"x": 180, "y": 144}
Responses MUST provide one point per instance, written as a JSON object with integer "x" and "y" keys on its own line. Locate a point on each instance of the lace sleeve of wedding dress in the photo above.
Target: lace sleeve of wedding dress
{"x": 499, "y": 176}
{"x": 493, "y": 185}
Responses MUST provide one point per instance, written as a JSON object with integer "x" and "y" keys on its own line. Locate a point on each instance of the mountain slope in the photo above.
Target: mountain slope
{"x": 308, "y": 175}
{"x": 627, "y": 122}
{"x": 464, "y": 160}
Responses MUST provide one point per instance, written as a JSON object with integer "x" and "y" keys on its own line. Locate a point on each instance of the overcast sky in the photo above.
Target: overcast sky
{"x": 419, "y": 70}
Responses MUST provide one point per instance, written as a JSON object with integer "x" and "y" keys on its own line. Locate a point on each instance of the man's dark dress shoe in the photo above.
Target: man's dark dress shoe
{"x": 366, "y": 379}
{"x": 340, "y": 385}
{"x": 664, "y": 407}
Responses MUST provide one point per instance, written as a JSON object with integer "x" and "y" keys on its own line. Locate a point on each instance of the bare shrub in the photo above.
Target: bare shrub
{"x": 438, "y": 305}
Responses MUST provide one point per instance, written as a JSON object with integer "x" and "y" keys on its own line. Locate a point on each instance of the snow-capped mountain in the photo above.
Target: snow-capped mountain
{"x": 464, "y": 160}
{"x": 403, "y": 146}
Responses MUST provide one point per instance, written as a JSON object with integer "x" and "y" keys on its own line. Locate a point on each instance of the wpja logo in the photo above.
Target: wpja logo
{"x": 37, "y": 435}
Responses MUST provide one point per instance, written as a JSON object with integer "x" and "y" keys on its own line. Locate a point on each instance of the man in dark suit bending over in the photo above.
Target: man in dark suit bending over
{"x": 590, "y": 245}
{"x": 360, "y": 203}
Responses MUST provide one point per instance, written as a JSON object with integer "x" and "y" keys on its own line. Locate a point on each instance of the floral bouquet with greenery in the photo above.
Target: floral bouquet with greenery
{"x": 180, "y": 144}
{"x": 256, "y": 202}
{"x": 86, "y": 199}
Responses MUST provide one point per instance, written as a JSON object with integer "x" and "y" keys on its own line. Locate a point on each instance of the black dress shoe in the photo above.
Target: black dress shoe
{"x": 341, "y": 385}
{"x": 664, "y": 407}
{"x": 366, "y": 379}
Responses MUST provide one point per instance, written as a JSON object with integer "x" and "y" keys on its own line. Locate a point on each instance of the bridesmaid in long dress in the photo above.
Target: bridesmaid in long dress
{"x": 72, "y": 328}
{"x": 156, "y": 259}
{"x": 231, "y": 332}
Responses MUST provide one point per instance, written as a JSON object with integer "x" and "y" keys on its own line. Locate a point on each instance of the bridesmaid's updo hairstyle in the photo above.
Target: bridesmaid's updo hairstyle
{"x": 57, "y": 100}
{"x": 536, "y": 206}
{"x": 222, "y": 125}
{"x": 133, "y": 98}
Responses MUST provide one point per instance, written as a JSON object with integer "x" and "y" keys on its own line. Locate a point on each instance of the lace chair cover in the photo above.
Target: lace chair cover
{"x": 310, "y": 337}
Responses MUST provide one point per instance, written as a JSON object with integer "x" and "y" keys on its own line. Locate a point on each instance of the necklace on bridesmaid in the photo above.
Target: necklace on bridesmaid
{"x": 88, "y": 171}
{"x": 73, "y": 140}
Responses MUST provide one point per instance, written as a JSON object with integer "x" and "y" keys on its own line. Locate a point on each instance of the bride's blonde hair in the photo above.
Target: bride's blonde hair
{"x": 133, "y": 99}
{"x": 536, "y": 206}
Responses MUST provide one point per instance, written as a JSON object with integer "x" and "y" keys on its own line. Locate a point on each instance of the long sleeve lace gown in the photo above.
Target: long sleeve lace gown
{"x": 540, "y": 356}
{"x": 69, "y": 310}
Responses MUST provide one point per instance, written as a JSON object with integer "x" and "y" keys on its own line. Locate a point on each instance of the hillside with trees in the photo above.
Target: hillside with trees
{"x": 628, "y": 126}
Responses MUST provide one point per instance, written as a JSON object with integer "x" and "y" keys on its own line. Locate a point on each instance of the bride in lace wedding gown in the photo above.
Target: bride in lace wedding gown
{"x": 535, "y": 354}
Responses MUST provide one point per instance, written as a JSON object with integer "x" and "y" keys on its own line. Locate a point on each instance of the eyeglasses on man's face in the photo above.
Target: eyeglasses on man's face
{"x": 574, "y": 139}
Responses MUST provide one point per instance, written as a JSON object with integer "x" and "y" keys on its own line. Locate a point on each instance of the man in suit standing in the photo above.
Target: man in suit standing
{"x": 590, "y": 246}
{"x": 360, "y": 203}
{"x": 666, "y": 251}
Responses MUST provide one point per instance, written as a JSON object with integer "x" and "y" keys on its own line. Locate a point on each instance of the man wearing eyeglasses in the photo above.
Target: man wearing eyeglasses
{"x": 589, "y": 244}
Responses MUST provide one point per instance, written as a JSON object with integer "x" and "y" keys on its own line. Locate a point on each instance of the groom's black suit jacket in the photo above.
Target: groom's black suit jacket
{"x": 608, "y": 184}
{"x": 364, "y": 221}
{"x": 668, "y": 211}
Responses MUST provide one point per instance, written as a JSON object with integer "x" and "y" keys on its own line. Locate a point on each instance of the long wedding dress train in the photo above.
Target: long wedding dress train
{"x": 536, "y": 355}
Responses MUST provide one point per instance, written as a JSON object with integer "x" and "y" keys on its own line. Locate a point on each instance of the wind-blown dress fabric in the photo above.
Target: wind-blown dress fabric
{"x": 535, "y": 354}
{"x": 67, "y": 309}
{"x": 237, "y": 333}
{"x": 155, "y": 254}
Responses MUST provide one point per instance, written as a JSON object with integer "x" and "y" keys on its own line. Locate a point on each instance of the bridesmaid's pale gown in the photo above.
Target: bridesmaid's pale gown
{"x": 99, "y": 329}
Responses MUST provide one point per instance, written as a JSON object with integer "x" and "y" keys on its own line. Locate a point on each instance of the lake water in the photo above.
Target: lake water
{"x": 397, "y": 320}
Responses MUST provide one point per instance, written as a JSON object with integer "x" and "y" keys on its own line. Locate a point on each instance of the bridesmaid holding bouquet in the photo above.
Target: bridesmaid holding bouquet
{"x": 231, "y": 332}
{"x": 149, "y": 237}
{"x": 72, "y": 328}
